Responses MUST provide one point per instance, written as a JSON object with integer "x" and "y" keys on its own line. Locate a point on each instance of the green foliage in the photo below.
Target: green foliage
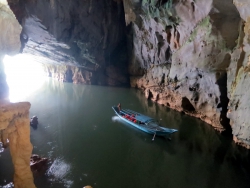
{"x": 204, "y": 25}
{"x": 152, "y": 8}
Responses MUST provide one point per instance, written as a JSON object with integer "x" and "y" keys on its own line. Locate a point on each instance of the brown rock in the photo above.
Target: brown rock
{"x": 14, "y": 126}
{"x": 38, "y": 164}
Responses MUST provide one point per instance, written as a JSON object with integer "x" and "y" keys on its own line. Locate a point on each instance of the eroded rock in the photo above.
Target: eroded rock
{"x": 84, "y": 35}
{"x": 14, "y": 126}
{"x": 184, "y": 49}
{"x": 9, "y": 41}
{"x": 38, "y": 164}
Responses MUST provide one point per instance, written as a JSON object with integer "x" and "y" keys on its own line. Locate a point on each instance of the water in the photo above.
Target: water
{"x": 88, "y": 145}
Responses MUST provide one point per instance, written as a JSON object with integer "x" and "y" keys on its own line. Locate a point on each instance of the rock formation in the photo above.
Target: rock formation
{"x": 239, "y": 79}
{"x": 38, "y": 164}
{"x": 9, "y": 41}
{"x": 185, "y": 50}
{"x": 193, "y": 56}
{"x": 80, "y": 41}
{"x": 14, "y": 126}
{"x": 14, "y": 117}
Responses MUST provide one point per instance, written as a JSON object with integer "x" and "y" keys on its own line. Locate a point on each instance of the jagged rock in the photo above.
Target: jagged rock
{"x": 14, "y": 118}
{"x": 184, "y": 49}
{"x": 34, "y": 122}
{"x": 14, "y": 126}
{"x": 89, "y": 35}
{"x": 194, "y": 61}
{"x": 239, "y": 80}
{"x": 9, "y": 41}
{"x": 38, "y": 164}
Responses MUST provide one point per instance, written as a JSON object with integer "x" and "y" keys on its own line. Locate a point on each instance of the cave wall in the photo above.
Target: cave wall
{"x": 9, "y": 41}
{"x": 239, "y": 80}
{"x": 15, "y": 127}
{"x": 193, "y": 57}
{"x": 14, "y": 117}
{"x": 90, "y": 35}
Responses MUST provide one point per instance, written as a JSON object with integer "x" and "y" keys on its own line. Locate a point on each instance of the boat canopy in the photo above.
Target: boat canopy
{"x": 143, "y": 118}
{"x": 138, "y": 116}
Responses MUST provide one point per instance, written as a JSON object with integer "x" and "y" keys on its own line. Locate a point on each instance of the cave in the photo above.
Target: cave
{"x": 222, "y": 82}
{"x": 186, "y": 105}
{"x": 115, "y": 46}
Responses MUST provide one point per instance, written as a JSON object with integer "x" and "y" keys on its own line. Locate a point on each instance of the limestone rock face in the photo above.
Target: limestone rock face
{"x": 193, "y": 56}
{"x": 14, "y": 118}
{"x": 14, "y": 126}
{"x": 86, "y": 34}
{"x": 239, "y": 80}
{"x": 181, "y": 52}
{"x": 78, "y": 75}
{"x": 9, "y": 41}
{"x": 10, "y": 35}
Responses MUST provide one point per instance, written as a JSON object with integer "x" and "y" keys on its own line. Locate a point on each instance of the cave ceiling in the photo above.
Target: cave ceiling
{"x": 77, "y": 33}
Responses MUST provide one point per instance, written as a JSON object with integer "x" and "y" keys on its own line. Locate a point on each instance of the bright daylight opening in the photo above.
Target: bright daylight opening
{"x": 23, "y": 75}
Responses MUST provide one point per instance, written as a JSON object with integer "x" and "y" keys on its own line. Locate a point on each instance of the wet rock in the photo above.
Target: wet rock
{"x": 14, "y": 126}
{"x": 38, "y": 164}
{"x": 185, "y": 50}
{"x": 34, "y": 122}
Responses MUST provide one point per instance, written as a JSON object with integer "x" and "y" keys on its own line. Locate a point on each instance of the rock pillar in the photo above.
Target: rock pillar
{"x": 14, "y": 126}
{"x": 14, "y": 117}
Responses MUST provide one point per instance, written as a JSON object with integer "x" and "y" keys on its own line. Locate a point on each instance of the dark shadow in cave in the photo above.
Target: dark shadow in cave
{"x": 150, "y": 95}
{"x": 69, "y": 75}
{"x": 160, "y": 3}
{"x": 222, "y": 83}
{"x": 186, "y": 105}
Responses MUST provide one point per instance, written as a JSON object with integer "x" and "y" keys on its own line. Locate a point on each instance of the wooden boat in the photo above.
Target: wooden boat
{"x": 142, "y": 122}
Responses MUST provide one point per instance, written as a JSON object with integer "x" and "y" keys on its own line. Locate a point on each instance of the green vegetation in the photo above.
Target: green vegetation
{"x": 204, "y": 24}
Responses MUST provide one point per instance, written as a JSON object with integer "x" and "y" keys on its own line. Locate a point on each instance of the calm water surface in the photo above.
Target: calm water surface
{"x": 88, "y": 145}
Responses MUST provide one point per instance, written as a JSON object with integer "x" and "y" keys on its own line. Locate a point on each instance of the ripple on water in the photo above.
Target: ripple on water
{"x": 58, "y": 172}
{"x": 9, "y": 185}
{"x": 116, "y": 119}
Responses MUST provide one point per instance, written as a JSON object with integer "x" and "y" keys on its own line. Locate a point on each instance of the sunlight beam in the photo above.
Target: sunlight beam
{"x": 24, "y": 76}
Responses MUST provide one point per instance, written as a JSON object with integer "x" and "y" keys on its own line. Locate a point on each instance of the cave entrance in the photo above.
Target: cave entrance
{"x": 186, "y": 105}
{"x": 24, "y": 76}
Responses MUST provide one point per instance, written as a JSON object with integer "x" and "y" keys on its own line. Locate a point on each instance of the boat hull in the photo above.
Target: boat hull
{"x": 163, "y": 132}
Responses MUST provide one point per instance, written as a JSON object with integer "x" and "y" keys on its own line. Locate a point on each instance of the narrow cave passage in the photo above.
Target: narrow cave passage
{"x": 222, "y": 83}
{"x": 23, "y": 75}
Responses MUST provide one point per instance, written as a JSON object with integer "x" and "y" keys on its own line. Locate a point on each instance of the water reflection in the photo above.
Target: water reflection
{"x": 89, "y": 145}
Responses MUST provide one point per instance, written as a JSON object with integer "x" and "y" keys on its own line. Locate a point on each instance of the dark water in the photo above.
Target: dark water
{"x": 88, "y": 145}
